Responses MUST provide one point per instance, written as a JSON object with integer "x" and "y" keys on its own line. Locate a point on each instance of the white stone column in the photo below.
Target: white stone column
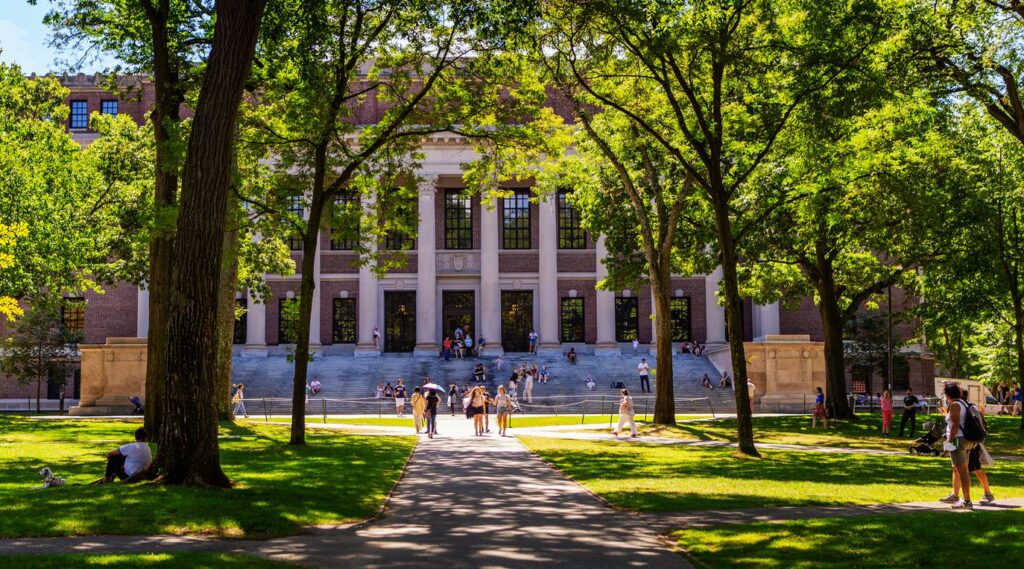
{"x": 714, "y": 313}
{"x": 426, "y": 270}
{"x": 367, "y": 309}
{"x": 255, "y": 328}
{"x": 314, "y": 317}
{"x": 548, "y": 277}
{"x": 606, "y": 344}
{"x": 142, "y": 314}
{"x": 765, "y": 320}
{"x": 490, "y": 290}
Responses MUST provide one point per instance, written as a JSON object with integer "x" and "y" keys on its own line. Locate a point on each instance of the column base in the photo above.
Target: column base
{"x": 426, "y": 350}
{"x": 607, "y": 349}
{"x": 367, "y": 351}
{"x": 254, "y": 351}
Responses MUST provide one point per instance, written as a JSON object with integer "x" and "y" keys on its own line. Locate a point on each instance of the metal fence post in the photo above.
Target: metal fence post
{"x": 583, "y": 414}
{"x": 646, "y": 403}
{"x": 378, "y": 408}
{"x": 556, "y": 405}
{"x": 325, "y": 410}
{"x": 266, "y": 411}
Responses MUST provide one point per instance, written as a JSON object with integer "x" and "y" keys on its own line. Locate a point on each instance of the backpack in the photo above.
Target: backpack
{"x": 975, "y": 430}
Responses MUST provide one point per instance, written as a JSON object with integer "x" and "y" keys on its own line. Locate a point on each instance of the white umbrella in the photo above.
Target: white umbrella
{"x": 432, "y": 386}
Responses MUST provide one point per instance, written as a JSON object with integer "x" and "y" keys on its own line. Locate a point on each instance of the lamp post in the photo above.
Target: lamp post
{"x": 889, "y": 336}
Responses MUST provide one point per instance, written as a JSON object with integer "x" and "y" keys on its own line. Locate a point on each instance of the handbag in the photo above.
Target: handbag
{"x": 986, "y": 458}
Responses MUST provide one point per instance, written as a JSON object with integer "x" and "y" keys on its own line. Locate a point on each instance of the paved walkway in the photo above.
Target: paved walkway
{"x": 464, "y": 501}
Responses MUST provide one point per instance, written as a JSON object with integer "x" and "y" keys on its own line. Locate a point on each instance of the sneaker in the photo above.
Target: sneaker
{"x": 988, "y": 499}
{"x": 963, "y": 505}
{"x": 951, "y": 499}
{"x": 616, "y": 433}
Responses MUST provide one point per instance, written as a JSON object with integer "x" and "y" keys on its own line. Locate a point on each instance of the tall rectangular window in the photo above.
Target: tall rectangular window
{"x": 72, "y": 315}
{"x": 295, "y": 208}
{"x": 404, "y": 219}
{"x": 242, "y": 323}
{"x": 109, "y": 107}
{"x": 570, "y": 230}
{"x": 287, "y": 320}
{"x": 516, "y": 221}
{"x": 679, "y": 310}
{"x": 345, "y": 222}
{"x": 343, "y": 321}
{"x": 572, "y": 320}
{"x": 627, "y": 319}
{"x": 79, "y": 114}
{"x": 458, "y": 220}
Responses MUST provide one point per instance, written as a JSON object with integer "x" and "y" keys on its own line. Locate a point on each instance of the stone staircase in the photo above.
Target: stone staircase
{"x": 349, "y": 382}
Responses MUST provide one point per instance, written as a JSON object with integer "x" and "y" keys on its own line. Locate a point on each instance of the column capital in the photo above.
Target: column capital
{"x": 427, "y": 184}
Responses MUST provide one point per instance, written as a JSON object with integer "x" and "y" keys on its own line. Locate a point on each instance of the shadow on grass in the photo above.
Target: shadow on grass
{"x": 154, "y": 560}
{"x": 335, "y": 478}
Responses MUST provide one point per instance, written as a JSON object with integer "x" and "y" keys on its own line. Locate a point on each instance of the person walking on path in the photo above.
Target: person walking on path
{"x": 419, "y": 405}
{"x": 909, "y": 413}
{"x": 399, "y": 398}
{"x": 956, "y": 444}
{"x": 886, "y": 403}
{"x": 239, "y": 401}
{"x": 644, "y": 370}
{"x": 430, "y": 411}
{"x": 502, "y": 404}
{"x": 453, "y": 397}
{"x": 528, "y": 387}
{"x": 819, "y": 410}
{"x": 477, "y": 400}
{"x": 626, "y": 414}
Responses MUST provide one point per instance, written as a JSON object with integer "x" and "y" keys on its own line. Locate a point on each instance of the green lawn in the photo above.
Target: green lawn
{"x": 923, "y": 540}
{"x": 663, "y": 478}
{"x": 517, "y": 420}
{"x": 154, "y": 560}
{"x": 1005, "y": 436}
{"x": 313, "y": 421}
{"x": 336, "y": 478}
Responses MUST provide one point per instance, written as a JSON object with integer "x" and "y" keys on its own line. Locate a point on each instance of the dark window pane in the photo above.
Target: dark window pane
{"x": 79, "y": 114}
{"x": 680, "y": 313}
{"x": 288, "y": 320}
{"x": 295, "y": 207}
{"x": 241, "y": 323}
{"x": 516, "y": 221}
{"x": 627, "y": 315}
{"x": 458, "y": 220}
{"x": 572, "y": 320}
{"x": 406, "y": 217}
{"x": 108, "y": 107}
{"x": 72, "y": 314}
{"x": 345, "y": 222}
{"x": 570, "y": 231}
{"x": 343, "y": 322}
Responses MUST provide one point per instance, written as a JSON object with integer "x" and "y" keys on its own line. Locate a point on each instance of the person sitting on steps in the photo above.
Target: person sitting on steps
{"x": 128, "y": 460}
{"x": 571, "y": 356}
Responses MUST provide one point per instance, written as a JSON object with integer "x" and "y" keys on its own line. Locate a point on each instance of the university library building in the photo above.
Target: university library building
{"x": 496, "y": 273}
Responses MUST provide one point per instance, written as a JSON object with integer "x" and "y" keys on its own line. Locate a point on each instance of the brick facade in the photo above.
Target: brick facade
{"x": 329, "y": 290}
{"x": 585, "y": 289}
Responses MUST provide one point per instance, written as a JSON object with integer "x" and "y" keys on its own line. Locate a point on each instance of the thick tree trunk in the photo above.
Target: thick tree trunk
{"x": 165, "y": 117}
{"x": 187, "y": 444}
{"x": 226, "y": 313}
{"x": 307, "y": 289}
{"x": 1018, "y": 341}
{"x": 734, "y": 316}
{"x": 835, "y": 360}
{"x": 664, "y": 401}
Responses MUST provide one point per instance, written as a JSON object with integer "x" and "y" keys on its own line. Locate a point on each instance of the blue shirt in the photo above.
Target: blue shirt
{"x": 819, "y": 399}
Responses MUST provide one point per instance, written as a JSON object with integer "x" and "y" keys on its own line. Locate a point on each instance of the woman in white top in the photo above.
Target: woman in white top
{"x": 626, "y": 413}
{"x": 503, "y": 405}
{"x": 528, "y": 388}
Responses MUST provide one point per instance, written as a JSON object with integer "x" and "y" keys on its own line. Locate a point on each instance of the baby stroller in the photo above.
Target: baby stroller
{"x": 139, "y": 408}
{"x": 926, "y": 444}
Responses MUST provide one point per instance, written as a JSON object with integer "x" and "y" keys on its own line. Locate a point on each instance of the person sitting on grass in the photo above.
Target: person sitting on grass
{"x": 128, "y": 460}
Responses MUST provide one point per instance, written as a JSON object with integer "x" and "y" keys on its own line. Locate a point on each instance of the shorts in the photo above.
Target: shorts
{"x": 818, "y": 412}
{"x": 399, "y": 401}
{"x": 974, "y": 459}
{"x": 502, "y": 409}
{"x": 959, "y": 456}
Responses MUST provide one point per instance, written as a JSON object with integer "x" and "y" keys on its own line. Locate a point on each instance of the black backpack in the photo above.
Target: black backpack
{"x": 975, "y": 429}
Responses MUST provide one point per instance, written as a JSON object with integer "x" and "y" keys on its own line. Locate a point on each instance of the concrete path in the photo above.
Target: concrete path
{"x": 463, "y": 501}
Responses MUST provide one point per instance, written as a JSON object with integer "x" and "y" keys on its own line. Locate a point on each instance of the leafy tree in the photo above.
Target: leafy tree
{"x": 8, "y": 235}
{"x": 868, "y": 342}
{"x": 39, "y": 347}
{"x": 712, "y": 85}
{"x": 325, "y": 67}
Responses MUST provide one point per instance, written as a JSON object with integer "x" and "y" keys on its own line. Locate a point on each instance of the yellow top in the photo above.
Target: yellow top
{"x": 419, "y": 403}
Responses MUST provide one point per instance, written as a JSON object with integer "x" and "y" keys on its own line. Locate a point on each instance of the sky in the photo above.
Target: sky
{"x": 24, "y": 39}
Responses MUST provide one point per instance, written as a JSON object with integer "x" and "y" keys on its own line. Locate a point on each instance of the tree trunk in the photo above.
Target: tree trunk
{"x": 734, "y": 316}
{"x": 664, "y": 400}
{"x": 165, "y": 116}
{"x": 307, "y": 289}
{"x": 187, "y": 444}
{"x": 226, "y": 312}
{"x": 39, "y": 393}
{"x": 835, "y": 361}
{"x": 1018, "y": 341}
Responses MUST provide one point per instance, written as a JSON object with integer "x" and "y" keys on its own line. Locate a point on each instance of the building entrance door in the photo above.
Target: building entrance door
{"x": 516, "y": 319}
{"x": 399, "y": 321}
{"x": 457, "y": 311}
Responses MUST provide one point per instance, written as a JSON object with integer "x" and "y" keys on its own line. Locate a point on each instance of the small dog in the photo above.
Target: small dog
{"x": 49, "y": 480}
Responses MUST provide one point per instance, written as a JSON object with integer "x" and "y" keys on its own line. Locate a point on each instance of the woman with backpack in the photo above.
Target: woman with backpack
{"x": 956, "y": 443}
{"x": 976, "y": 456}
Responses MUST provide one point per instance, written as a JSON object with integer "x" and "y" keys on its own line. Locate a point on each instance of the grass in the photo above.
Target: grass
{"x": 664, "y": 478}
{"x": 337, "y": 478}
{"x": 1005, "y": 436}
{"x": 517, "y": 420}
{"x": 924, "y": 540}
{"x": 154, "y": 560}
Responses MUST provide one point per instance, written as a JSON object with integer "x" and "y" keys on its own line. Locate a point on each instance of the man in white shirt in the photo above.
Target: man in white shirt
{"x": 645, "y": 370}
{"x": 128, "y": 460}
